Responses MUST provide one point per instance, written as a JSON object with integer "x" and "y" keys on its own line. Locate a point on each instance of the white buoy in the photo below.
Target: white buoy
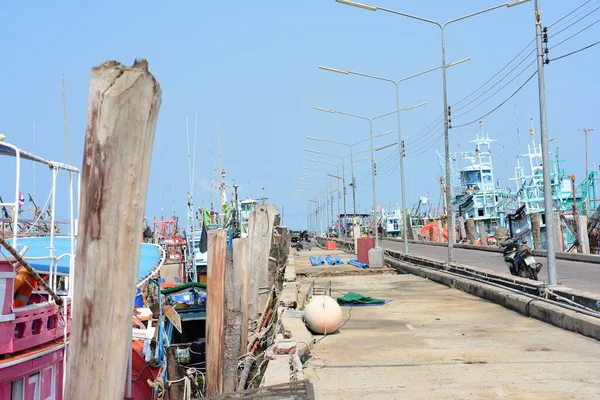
{"x": 323, "y": 315}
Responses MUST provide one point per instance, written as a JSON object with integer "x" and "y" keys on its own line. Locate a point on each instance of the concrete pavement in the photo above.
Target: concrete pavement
{"x": 433, "y": 342}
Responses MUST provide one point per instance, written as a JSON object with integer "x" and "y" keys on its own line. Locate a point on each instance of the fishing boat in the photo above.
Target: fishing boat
{"x": 37, "y": 275}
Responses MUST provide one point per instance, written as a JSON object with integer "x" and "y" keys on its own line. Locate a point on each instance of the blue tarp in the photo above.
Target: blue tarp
{"x": 38, "y": 255}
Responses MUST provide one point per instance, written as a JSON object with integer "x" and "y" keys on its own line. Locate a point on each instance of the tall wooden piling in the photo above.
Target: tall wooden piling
{"x": 260, "y": 234}
{"x": 235, "y": 284}
{"x": 582, "y": 234}
{"x": 536, "y": 230}
{"x": 215, "y": 303}
{"x": 482, "y": 233}
{"x": 123, "y": 104}
{"x": 559, "y": 244}
{"x": 461, "y": 227}
{"x": 440, "y": 237}
{"x": 471, "y": 231}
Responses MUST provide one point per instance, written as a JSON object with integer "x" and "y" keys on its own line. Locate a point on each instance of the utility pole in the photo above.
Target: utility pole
{"x": 548, "y": 202}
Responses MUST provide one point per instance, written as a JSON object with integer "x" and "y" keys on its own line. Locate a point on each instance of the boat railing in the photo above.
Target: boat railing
{"x": 33, "y": 325}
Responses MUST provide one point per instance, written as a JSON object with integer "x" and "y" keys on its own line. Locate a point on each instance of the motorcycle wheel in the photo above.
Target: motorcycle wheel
{"x": 533, "y": 275}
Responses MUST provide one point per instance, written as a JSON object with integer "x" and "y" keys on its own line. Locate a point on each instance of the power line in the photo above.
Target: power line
{"x": 576, "y": 21}
{"x": 499, "y": 105}
{"x": 424, "y": 149}
{"x": 577, "y": 33}
{"x": 565, "y": 16}
{"x": 497, "y": 91}
{"x": 499, "y": 72}
{"x": 576, "y": 51}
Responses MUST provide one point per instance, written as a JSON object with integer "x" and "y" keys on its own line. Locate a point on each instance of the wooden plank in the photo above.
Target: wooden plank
{"x": 217, "y": 243}
{"x": 123, "y": 106}
{"x": 173, "y": 316}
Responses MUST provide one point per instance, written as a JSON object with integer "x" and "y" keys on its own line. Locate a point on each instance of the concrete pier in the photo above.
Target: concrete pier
{"x": 432, "y": 341}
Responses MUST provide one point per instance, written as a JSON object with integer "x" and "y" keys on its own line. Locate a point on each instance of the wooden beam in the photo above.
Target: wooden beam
{"x": 215, "y": 349}
{"x": 123, "y": 105}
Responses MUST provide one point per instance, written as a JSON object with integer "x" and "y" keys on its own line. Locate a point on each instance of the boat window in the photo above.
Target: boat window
{"x": 17, "y": 390}
{"x": 34, "y": 386}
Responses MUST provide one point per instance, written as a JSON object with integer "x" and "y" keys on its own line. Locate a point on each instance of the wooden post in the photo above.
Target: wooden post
{"x": 409, "y": 231}
{"x": 260, "y": 232}
{"x": 536, "y": 230}
{"x": 240, "y": 265}
{"x": 482, "y": 233}
{"x": 123, "y": 105}
{"x": 175, "y": 373}
{"x": 582, "y": 233}
{"x": 461, "y": 227}
{"x": 234, "y": 292}
{"x": 440, "y": 230}
{"x": 558, "y": 234}
{"x": 215, "y": 282}
{"x": 471, "y": 231}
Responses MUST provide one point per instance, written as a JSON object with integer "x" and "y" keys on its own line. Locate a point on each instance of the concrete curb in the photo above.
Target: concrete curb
{"x": 527, "y": 306}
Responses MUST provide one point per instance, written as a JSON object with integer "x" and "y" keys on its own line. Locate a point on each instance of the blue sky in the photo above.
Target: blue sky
{"x": 252, "y": 67}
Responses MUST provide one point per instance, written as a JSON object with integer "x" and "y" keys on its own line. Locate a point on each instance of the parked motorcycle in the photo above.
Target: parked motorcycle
{"x": 519, "y": 259}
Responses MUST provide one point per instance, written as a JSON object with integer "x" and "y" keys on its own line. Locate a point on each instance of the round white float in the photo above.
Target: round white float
{"x": 323, "y": 315}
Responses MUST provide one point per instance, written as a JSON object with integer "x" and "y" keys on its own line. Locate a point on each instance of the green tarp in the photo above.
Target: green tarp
{"x": 355, "y": 298}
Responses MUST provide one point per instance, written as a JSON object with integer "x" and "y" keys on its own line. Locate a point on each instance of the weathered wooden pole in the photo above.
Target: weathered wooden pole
{"x": 471, "y": 231}
{"x": 215, "y": 304}
{"x": 123, "y": 108}
{"x": 536, "y": 232}
{"x": 240, "y": 266}
{"x": 582, "y": 234}
{"x": 482, "y": 233}
{"x": 235, "y": 284}
{"x": 461, "y": 227}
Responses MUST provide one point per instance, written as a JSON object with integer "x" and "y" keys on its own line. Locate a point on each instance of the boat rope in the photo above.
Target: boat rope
{"x": 30, "y": 271}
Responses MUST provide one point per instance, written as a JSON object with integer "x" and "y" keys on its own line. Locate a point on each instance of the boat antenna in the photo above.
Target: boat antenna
{"x": 64, "y": 101}
{"x": 34, "y": 163}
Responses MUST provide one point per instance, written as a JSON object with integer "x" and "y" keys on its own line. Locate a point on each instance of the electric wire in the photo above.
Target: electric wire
{"x": 576, "y": 33}
{"x": 576, "y": 51}
{"x": 575, "y": 22}
{"x": 567, "y": 15}
{"x": 497, "y": 91}
{"x": 499, "y": 105}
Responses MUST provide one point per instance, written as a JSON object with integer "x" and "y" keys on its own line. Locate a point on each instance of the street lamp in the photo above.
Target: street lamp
{"x": 370, "y": 120}
{"x": 350, "y": 146}
{"x": 442, "y": 26}
{"x": 339, "y": 193}
{"x": 401, "y": 147}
